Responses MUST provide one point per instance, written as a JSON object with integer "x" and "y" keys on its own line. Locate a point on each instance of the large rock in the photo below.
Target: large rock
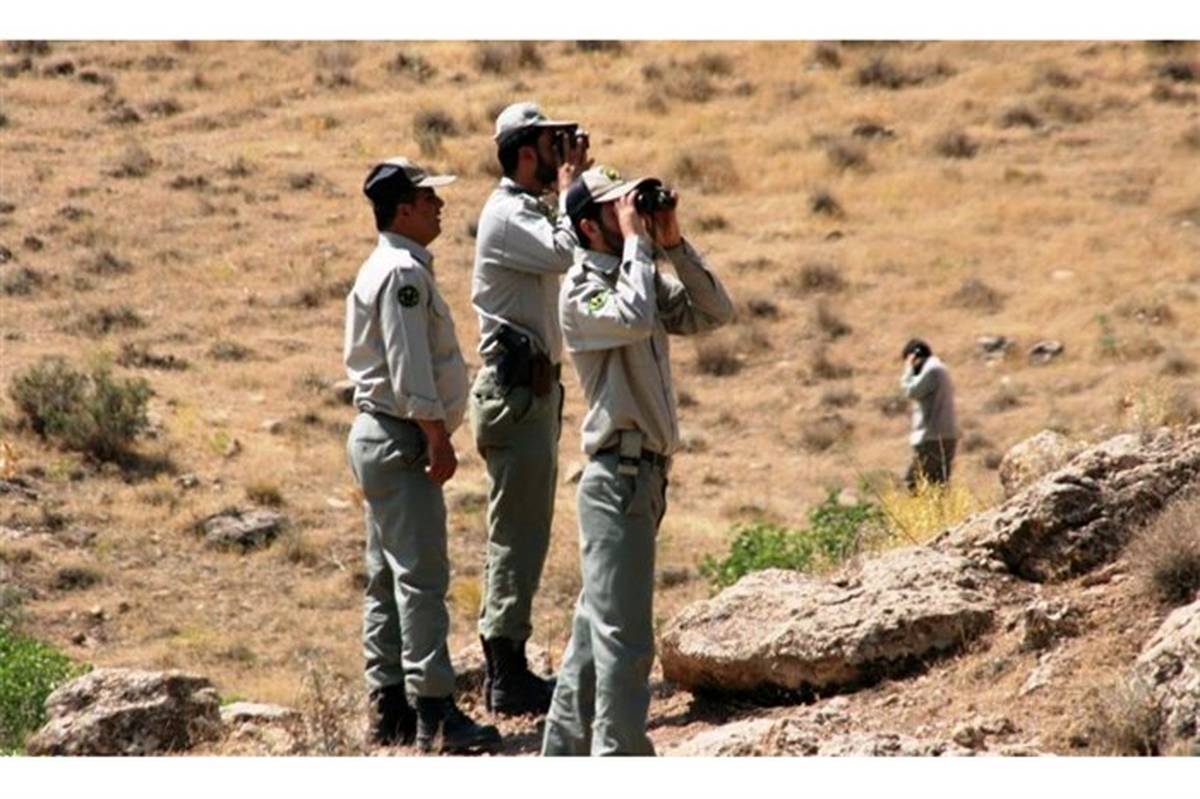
{"x": 784, "y": 631}
{"x": 128, "y": 712}
{"x": 244, "y": 530}
{"x": 1034, "y": 458}
{"x": 1170, "y": 667}
{"x": 1077, "y": 518}
{"x": 788, "y": 737}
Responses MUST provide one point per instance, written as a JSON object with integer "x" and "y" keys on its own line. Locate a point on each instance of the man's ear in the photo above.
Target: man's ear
{"x": 591, "y": 231}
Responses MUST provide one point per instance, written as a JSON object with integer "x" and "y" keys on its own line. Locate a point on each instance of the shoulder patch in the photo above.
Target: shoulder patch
{"x": 597, "y": 301}
{"x": 408, "y": 296}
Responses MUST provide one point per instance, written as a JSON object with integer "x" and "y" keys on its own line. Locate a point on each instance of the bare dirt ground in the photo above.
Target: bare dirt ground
{"x": 201, "y": 201}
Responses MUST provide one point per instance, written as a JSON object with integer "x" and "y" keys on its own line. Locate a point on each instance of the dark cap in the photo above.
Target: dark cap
{"x": 600, "y": 184}
{"x": 916, "y": 346}
{"x": 396, "y": 176}
{"x": 519, "y": 117}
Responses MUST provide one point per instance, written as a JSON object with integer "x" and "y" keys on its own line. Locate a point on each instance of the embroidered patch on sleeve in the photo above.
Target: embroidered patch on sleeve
{"x": 409, "y": 296}
{"x": 597, "y": 301}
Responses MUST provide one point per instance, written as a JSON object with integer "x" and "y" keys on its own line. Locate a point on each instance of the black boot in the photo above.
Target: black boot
{"x": 440, "y": 722}
{"x": 514, "y": 689}
{"x": 393, "y": 721}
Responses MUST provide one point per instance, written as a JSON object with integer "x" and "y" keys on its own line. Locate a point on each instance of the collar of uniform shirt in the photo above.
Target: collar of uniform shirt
{"x": 398, "y": 242}
{"x": 601, "y": 262}
{"x": 510, "y": 184}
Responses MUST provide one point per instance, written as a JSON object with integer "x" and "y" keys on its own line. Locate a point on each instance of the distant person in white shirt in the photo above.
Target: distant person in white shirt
{"x": 934, "y": 434}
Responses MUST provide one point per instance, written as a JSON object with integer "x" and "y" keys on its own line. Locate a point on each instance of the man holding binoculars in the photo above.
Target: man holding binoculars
{"x": 617, "y": 311}
{"x": 522, "y": 249}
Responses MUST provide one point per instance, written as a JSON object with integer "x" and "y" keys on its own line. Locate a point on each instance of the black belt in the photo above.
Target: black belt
{"x": 648, "y": 456}
{"x": 522, "y": 375}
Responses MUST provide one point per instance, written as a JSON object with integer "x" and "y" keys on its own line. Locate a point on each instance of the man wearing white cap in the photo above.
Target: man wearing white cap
{"x": 522, "y": 249}
{"x": 410, "y": 388}
{"x": 618, "y": 311}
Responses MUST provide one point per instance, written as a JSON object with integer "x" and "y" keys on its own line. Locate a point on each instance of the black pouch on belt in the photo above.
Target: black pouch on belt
{"x": 514, "y": 365}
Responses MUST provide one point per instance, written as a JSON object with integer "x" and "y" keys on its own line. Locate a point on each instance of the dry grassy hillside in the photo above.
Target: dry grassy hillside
{"x": 200, "y": 201}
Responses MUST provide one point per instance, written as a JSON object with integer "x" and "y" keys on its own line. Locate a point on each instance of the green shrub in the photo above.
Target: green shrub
{"x": 91, "y": 413}
{"x": 835, "y": 532}
{"x": 29, "y": 671}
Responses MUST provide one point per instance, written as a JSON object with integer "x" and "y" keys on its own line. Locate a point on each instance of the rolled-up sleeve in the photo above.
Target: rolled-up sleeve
{"x": 597, "y": 317}
{"x": 695, "y": 303}
{"x": 404, "y": 322}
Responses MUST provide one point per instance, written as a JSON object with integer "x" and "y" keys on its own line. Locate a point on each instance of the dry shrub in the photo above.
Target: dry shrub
{"x": 717, "y": 357}
{"x": 840, "y": 398}
{"x": 823, "y": 202}
{"x": 1123, "y": 719}
{"x": 1055, "y": 77}
{"x": 813, "y": 278}
{"x": 226, "y": 350}
{"x": 955, "y": 144}
{"x": 139, "y": 356}
{"x": 76, "y": 578}
{"x": 20, "y": 281}
{"x": 1165, "y": 93}
{"x": 1004, "y": 398}
{"x": 828, "y": 322}
{"x": 166, "y": 107}
{"x": 501, "y": 58}
{"x": 1165, "y": 554}
{"x": 930, "y": 509}
{"x": 827, "y": 54}
{"x": 430, "y": 127}
{"x": 264, "y": 492}
{"x": 612, "y": 46}
{"x": 1020, "y": 116}
{"x": 332, "y": 708}
{"x": 1176, "y": 364}
{"x": 892, "y": 405}
{"x": 411, "y": 66}
{"x": 1157, "y": 403}
{"x": 106, "y": 264}
{"x": 1191, "y": 139}
{"x": 976, "y": 295}
{"x": 761, "y": 308}
{"x": 709, "y": 172}
{"x": 690, "y": 81}
{"x": 711, "y": 223}
{"x": 825, "y": 433}
{"x": 821, "y": 368}
{"x": 134, "y": 162}
{"x": 887, "y": 75}
{"x": 1060, "y": 109}
{"x": 104, "y": 320}
{"x": 334, "y": 65}
{"x": 845, "y": 155}
{"x": 1178, "y": 70}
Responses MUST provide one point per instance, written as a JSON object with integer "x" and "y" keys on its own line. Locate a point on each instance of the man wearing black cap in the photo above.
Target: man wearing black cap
{"x": 410, "y": 388}
{"x": 934, "y": 435}
{"x": 618, "y": 311}
{"x": 522, "y": 249}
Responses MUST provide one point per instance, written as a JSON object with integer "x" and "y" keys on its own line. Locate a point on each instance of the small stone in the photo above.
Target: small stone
{"x": 245, "y": 530}
{"x": 242, "y": 712}
{"x": 96, "y": 612}
{"x": 968, "y": 735}
{"x": 1045, "y": 351}
{"x": 337, "y": 504}
{"x": 1062, "y": 275}
{"x": 187, "y": 481}
{"x": 233, "y": 448}
{"x": 124, "y": 607}
{"x": 79, "y": 639}
{"x": 998, "y": 725}
{"x": 272, "y": 426}
{"x": 994, "y": 346}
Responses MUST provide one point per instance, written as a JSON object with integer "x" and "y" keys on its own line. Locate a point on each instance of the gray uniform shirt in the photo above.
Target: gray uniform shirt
{"x": 933, "y": 412}
{"x": 520, "y": 253}
{"x": 400, "y": 349}
{"x": 616, "y": 314}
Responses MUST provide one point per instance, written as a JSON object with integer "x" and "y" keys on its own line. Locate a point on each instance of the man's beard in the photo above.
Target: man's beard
{"x": 613, "y": 239}
{"x": 547, "y": 172}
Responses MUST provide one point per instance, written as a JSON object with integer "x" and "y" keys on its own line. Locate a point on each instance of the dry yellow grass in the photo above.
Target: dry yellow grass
{"x": 235, "y": 203}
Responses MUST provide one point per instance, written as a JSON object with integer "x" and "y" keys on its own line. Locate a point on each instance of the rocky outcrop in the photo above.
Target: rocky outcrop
{"x": 1035, "y": 457}
{"x": 1044, "y": 623}
{"x": 788, "y": 737}
{"x": 127, "y": 712}
{"x": 781, "y": 631}
{"x": 244, "y": 530}
{"x": 1170, "y": 667}
{"x": 1079, "y": 517}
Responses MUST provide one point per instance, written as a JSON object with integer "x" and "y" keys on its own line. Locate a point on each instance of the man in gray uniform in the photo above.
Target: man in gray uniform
{"x": 617, "y": 310}
{"x": 410, "y": 390}
{"x": 934, "y": 426}
{"x": 522, "y": 249}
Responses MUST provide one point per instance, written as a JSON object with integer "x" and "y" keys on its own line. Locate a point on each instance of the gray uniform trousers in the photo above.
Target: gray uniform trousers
{"x": 602, "y": 698}
{"x": 405, "y": 621}
{"x": 517, "y": 435}
{"x": 932, "y": 460}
